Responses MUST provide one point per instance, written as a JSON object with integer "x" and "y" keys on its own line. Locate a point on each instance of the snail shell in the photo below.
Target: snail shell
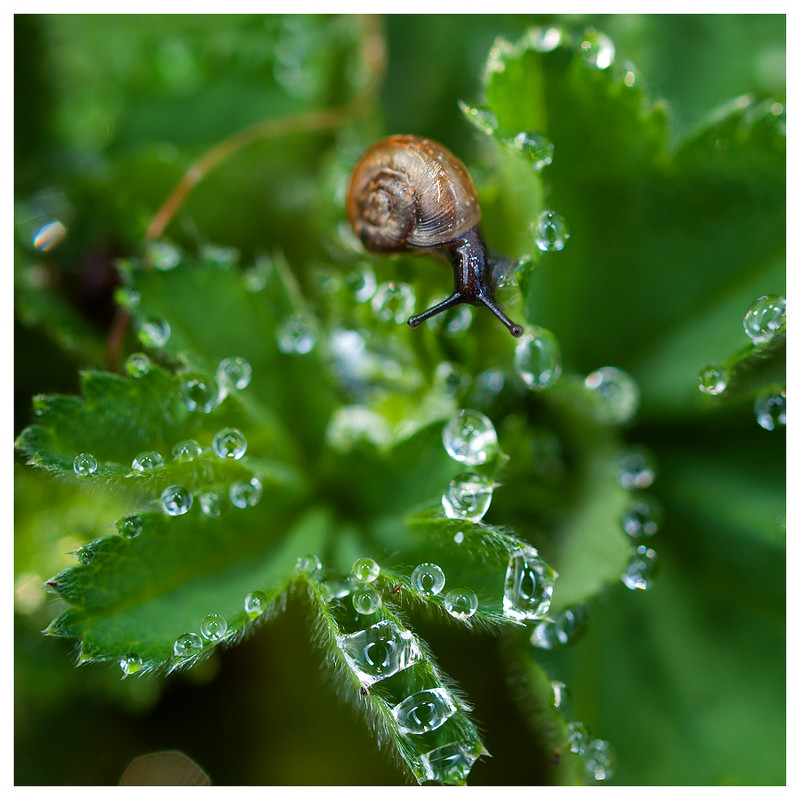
{"x": 410, "y": 192}
{"x": 407, "y": 192}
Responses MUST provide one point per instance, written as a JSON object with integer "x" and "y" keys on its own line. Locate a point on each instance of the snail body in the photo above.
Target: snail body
{"x": 409, "y": 193}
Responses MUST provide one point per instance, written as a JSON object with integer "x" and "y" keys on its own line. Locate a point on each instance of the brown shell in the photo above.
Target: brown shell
{"x": 407, "y": 191}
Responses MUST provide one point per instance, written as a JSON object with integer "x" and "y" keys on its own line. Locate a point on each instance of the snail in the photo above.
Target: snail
{"x": 410, "y": 193}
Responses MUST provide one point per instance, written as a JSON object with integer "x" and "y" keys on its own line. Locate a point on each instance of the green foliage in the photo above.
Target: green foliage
{"x": 674, "y": 230}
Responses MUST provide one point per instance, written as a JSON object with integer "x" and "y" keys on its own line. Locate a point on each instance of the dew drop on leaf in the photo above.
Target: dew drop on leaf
{"x": 559, "y": 630}
{"x": 187, "y": 644}
{"x": 537, "y": 358}
{"x": 366, "y": 600}
{"x": 130, "y": 664}
{"x": 483, "y": 118}
{"x": 470, "y": 437}
{"x": 428, "y": 579}
{"x": 616, "y": 395}
{"x": 642, "y": 518}
{"x": 599, "y": 760}
{"x": 210, "y": 504}
{"x": 528, "y": 585}
{"x": 255, "y": 604}
{"x": 245, "y": 493}
{"x": 765, "y": 318}
{"x": 230, "y": 443}
{"x": 186, "y": 450}
{"x": 550, "y": 231}
{"x": 536, "y": 147}
{"x": 468, "y": 497}
{"x": 596, "y": 49}
{"x": 84, "y": 464}
{"x": 137, "y": 365}
{"x": 176, "y": 500}
{"x": 713, "y": 379}
{"x": 366, "y": 570}
{"x": 201, "y": 395}
{"x": 641, "y": 569}
{"x": 130, "y": 527}
{"x": 154, "y": 332}
{"x": 450, "y": 763}
{"x": 577, "y": 737}
{"x": 234, "y": 374}
{"x": 380, "y": 651}
{"x": 213, "y": 627}
{"x": 461, "y": 603}
{"x": 636, "y": 469}
{"x": 295, "y": 336}
{"x": 770, "y": 410}
{"x": 145, "y": 462}
{"x": 310, "y": 564}
{"x": 424, "y": 711}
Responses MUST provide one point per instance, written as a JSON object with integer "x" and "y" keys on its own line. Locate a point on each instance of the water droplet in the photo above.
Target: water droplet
{"x": 154, "y": 332}
{"x": 461, "y": 603}
{"x": 130, "y": 664}
{"x": 449, "y": 763}
{"x": 597, "y": 49}
{"x": 470, "y": 437}
{"x": 127, "y": 297}
{"x": 393, "y": 302}
{"x": 186, "y": 450}
{"x": 765, "y": 318}
{"x": 424, "y": 711}
{"x": 713, "y": 379}
{"x": 544, "y": 40}
{"x": 636, "y": 469}
{"x": 539, "y": 149}
{"x": 550, "y": 231}
{"x": 468, "y": 497}
{"x": 577, "y": 737}
{"x": 560, "y": 694}
{"x": 458, "y": 537}
{"x": 366, "y": 600}
{"x": 537, "y": 358}
{"x": 599, "y": 760}
{"x": 428, "y": 579}
{"x": 245, "y": 493}
{"x": 234, "y": 374}
{"x": 770, "y": 410}
{"x": 130, "y": 527}
{"x": 137, "y": 365}
{"x": 641, "y": 569}
{"x": 213, "y": 627}
{"x": 560, "y": 630}
{"x": 85, "y": 555}
{"x": 500, "y": 50}
{"x": 642, "y": 518}
{"x": 295, "y": 336}
{"x": 337, "y": 588}
{"x": 484, "y": 119}
{"x": 229, "y": 443}
{"x": 50, "y": 235}
{"x": 528, "y": 585}
{"x": 144, "y": 462}
{"x": 162, "y": 255}
{"x": 84, "y": 464}
{"x": 176, "y": 500}
{"x": 201, "y": 395}
{"x": 310, "y": 564}
{"x": 255, "y": 604}
{"x": 366, "y": 570}
{"x": 188, "y": 644}
{"x": 616, "y": 395}
{"x": 362, "y": 283}
{"x": 210, "y": 504}
{"x": 380, "y": 651}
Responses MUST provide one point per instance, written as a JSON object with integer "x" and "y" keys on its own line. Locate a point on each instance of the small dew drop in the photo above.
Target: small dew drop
{"x": 210, "y": 504}
{"x": 636, "y": 469}
{"x": 245, "y": 493}
{"x": 130, "y": 527}
{"x": 550, "y": 231}
{"x": 599, "y": 760}
{"x": 393, "y": 302}
{"x": 616, "y": 395}
{"x": 85, "y": 555}
{"x": 84, "y": 464}
{"x": 154, "y": 332}
{"x": 713, "y": 379}
{"x": 310, "y": 564}
{"x": 213, "y": 627}
{"x": 201, "y": 395}
{"x": 641, "y": 568}
{"x": 295, "y": 336}
{"x": 229, "y": 443}
{"x": 470, "y": 437}
{"x": 765, "y": 318}
{"x": 468, "y": 497}
{"x": 186, "y": 450}
{"x": 234, "y": 374}
{"x": 642, "y": 518}
{"x": 366, "y": 600}
{"x": 176, "y": 500}
{"x": 255, "y": 604}
{"x": 145, "y": 462}
{"x": 127, "y": 297}
{"x": 428, "y": 579}
{"x": 459, "y": 537}
{"x": 137, "y": 365}
{"x": 186, "y": 645}
{"x": 560, "y": 630}
{"x": 596, "y": 49}
{"x": 770, "y": 410}
{"x": 484, "y": 119}
{"x": 130, "y": 664}
{"x": 544, "y": 40}
{"x": 577, "y": 738}
{"x": 537, "y": 358}
{"x": 366, "y": 570}
{"x": 560, "y": 694}
{"x": 536, "y": 147}
{"x": 461, "y": 603}
{"x": 424, "y": 711}
{"x": 362, "y": 283}
{"x": 528, "y": 585}
{"x": 162, "y": 256}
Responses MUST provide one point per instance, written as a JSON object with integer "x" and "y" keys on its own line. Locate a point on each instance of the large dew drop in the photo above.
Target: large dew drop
{"x": 461, "y": 603}
{"x": 186, "y": 645}
{"x": 450, "y": 763}
{"x": 428, "y": 579}
{"x": 770, "y": 410}
{"x": 229, "y": 443}
{"x": 537, "y": 358}
{"x": 176, "y": 500}
{"x": 310, "y": 564}
{"x": 366, "y": 600}
{"x": 468, "y": 497}
{"x": 366, "y": 570}
{"x": 616, "y": 395}
{"x": 213, "y": 627}
{"x": 470, "y": 437}
{"x": 145, "y": 462}
{"x": 84, "y": 464}
{"x": 528, "y": 585}
{"x": 424, "y": 711}
{"x": 380, "y": 651}
{"x": 765, "y": 318}
{"x": 550, "y": 231}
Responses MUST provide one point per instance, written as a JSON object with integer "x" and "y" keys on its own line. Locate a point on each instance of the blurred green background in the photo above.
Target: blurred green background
{"x": 109, "y": 113}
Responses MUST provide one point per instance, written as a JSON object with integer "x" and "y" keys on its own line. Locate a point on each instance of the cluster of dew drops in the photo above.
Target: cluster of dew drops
{"x": 765, "y": 318}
